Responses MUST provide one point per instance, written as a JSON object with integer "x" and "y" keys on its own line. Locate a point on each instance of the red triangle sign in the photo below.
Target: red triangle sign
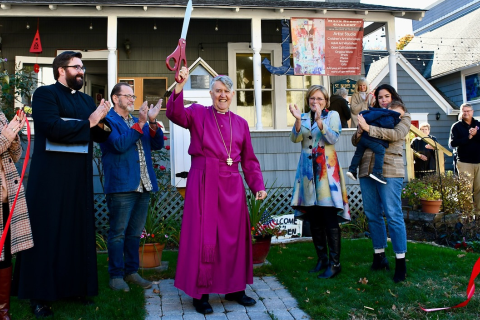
{"x": 36, "y": 44}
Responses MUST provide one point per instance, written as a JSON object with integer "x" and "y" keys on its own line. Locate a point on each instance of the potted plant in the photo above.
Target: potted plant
{"x": 456, "y": 191}
{"x": 430, "y": 199}
{"x": 411, "y": 192}
{"x": 263, "y": 226}
{"x": 157, "y": 232}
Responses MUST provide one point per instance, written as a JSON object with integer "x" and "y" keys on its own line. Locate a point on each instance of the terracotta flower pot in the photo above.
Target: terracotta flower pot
{"x": 260, "y": 249}
{"x": 431, "y": 206}
{"x": 150, "y": 255}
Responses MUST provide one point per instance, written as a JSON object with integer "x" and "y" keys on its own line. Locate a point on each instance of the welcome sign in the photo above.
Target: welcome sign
{"x": 291, "y": 224}
{"x": 327, "y": 46}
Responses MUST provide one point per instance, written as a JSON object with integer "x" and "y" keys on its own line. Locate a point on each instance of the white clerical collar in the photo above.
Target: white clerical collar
{"x": 72, "y": 92}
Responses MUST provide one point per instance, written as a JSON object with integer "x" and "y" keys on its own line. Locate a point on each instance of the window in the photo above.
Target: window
{"x": 277, "y": 91}
{"x": 472, "y": 87}
{"x": 297, "y": 87}
{"x": 245, "y": 90}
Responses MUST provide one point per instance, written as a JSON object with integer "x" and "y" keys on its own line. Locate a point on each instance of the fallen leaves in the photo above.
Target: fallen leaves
{"x": 328, "y": 292}
{"x": 363, "y": 281}
{"x": 310, "y": 258}
{"x": 308, "y": 300}
{"x": 368, "y": 308}
{"x": 394, "y": 307}
{"x": 393, "y": 294}
{"x": 156, "y": 291}
{"x": 461, "y": 255}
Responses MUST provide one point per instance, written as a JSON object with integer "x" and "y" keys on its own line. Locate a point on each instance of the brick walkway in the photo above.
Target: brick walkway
{"x": 273, "y": 302}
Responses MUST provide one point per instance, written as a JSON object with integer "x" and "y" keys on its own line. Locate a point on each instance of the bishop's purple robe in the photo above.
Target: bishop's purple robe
{"x": 215, "y": 254}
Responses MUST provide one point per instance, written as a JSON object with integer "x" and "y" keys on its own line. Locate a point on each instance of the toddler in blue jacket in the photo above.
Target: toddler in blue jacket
{"x": 384, "y": 118}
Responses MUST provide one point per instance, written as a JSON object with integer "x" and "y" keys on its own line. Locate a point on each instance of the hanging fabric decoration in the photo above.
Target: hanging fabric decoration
{"x": 36, "y": 47}
{"x": 36, "y": 44}
{"x": 286, "y": 68}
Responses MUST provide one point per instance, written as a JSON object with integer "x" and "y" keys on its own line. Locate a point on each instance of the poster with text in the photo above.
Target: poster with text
{"x": 330, "y": 47}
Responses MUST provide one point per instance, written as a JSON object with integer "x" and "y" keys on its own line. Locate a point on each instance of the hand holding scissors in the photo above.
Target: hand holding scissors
{"x": 178, "y": 55}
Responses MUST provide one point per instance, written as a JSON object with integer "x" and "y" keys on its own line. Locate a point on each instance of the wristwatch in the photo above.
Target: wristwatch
{"x": 152, "y": 122}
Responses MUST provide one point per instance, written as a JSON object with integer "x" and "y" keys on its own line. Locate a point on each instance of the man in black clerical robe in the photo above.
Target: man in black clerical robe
{"x": 62, "y": 264}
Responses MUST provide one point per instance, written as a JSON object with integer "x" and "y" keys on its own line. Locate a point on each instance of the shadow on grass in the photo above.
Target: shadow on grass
{"x": 109, "y": 304}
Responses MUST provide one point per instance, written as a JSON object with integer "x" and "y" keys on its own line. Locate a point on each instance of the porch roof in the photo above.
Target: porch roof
{"x": 409, "y": 13}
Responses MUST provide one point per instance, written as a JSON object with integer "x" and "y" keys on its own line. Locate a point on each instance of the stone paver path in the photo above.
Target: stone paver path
{"x": 164, "y": 301}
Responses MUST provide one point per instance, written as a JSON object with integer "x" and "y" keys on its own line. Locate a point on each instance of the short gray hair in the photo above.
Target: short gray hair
{"x": 424, "y": 124}
{"x": 341, "y": 92}
{"x": 223, "y": 79}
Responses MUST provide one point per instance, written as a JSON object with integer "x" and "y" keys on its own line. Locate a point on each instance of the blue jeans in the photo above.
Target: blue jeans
{"x": 381, "y": 198}
{"x": 377, "y": 148}
{"x": 128, "y": 213}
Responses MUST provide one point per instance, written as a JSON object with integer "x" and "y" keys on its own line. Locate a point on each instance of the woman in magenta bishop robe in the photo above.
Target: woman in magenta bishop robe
{"x": 215, "y": 245}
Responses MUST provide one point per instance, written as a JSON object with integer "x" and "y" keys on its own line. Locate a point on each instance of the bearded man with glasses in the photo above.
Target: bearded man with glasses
{"x": 62, "y": 264}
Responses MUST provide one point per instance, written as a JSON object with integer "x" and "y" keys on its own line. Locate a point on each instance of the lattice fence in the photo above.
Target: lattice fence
{"x": 170, "y": 205}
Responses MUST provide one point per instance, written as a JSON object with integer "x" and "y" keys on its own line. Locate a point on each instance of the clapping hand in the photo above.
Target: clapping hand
{"x": 10, "y": 131}
{"x": 295, "y": 112}
{"x": 153, "y": 111}
{"x": 99, "y": 113}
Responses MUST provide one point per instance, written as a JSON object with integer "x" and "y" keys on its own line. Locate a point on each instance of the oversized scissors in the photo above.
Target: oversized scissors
{"x": 178, "y": 55}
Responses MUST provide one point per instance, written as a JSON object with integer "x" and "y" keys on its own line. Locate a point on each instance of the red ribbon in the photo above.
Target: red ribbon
{"x": 470, "y": 290}
{"x": 25, "y": 162}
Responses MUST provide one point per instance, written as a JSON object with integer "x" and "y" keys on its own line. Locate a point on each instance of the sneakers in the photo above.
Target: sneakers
{"x": 135, "y": 278}
{"x": 352, "y": 175}
{"x": 378, "y": 177}
{"x": 118, "y": 284}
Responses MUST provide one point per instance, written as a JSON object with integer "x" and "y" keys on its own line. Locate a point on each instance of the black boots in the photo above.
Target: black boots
{"x": 40, "y": 309}
{"x": 319, "y": 238}
{"x": 202, "y": 306}
{"x": 5, "y": 282}
{"x": 380, "y": 262}
{"x": 334, "y": 245}
{"x": 400, "y": 270}
{"x": 241, "y": 298}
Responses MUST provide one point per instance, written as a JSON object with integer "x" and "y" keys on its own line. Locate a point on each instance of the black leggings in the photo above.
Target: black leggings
{"x": 322, "y": 216}
{"x": 7, "y": 262}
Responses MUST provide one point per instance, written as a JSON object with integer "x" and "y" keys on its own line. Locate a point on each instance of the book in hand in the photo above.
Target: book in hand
{"x": 66, "y": 147}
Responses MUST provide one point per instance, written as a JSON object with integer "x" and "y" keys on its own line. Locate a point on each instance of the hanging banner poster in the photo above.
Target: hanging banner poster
{"x": 330, "y": 47}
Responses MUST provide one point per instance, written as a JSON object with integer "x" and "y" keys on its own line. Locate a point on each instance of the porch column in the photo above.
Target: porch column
{"x": 257, "y": 69}
{"x": 392, "y": 55}
{"x": 112, "y": 53}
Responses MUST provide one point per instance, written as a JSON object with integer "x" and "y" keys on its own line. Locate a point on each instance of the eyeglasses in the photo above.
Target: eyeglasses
{"x": 315, "y": 99}
{"x": 77, "y": 67}
{"x": 128, "y": 96}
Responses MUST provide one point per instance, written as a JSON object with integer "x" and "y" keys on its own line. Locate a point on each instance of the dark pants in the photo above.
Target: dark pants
{"x": 325, "y": 229}
{"x": 378, "y": 150}
{"x": 128, "y": 212}
{"x": 7, "y": 262}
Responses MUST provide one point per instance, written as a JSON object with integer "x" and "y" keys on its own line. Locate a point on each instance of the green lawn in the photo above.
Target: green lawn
{"x": 109, "y": 304}
{"x": 437, "y": 277}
